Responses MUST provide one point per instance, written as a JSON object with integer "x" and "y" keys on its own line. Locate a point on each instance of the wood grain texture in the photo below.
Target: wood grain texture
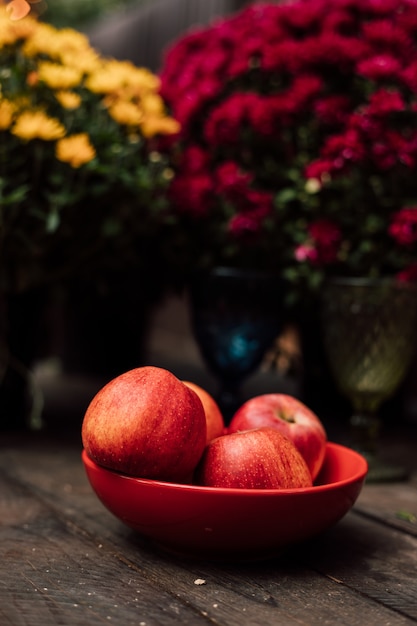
{"x": 64, "y": 559}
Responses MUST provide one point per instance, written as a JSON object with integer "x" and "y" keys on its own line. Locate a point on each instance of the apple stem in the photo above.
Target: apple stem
{"x": 282, "y": 415}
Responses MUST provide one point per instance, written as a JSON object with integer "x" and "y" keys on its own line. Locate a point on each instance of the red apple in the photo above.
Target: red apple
{"x": 261, "y": 458}
{"x": 214, "y": 417}
{"x": 148, "y": 424}
{"x": 292, "y": 418}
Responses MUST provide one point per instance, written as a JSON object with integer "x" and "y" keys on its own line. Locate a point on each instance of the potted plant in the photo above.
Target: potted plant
{"x": 298, "y": 141}
{"x": 298, "y": 137}
{"x": 82, "y": 175}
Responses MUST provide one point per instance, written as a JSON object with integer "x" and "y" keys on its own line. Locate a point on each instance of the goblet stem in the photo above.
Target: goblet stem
{"x": 365, "y": 434}
{"x": 365, "y": 429}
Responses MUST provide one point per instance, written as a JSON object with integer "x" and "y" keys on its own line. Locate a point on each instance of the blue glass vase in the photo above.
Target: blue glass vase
{"x": 235, "y": 316}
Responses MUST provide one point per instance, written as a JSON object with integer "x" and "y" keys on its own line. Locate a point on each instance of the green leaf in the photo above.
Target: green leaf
{"x": 406, "y": 516}
{"x": 286, "y": 195}
{"x": 16, "y": 196}
{"x": 52, "y": 221}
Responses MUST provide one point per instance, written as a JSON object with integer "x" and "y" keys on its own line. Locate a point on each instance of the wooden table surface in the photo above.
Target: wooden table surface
{"x": 64, "y": 559}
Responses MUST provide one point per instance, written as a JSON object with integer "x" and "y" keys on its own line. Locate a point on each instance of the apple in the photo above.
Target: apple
{"x": 292, "y": 418}
{"x": 261, "y": 458}
{"x": 214, "y": 417}
{"x": 146, "y": 423}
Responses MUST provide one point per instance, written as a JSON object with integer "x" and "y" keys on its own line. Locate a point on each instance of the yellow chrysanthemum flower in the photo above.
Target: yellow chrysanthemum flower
{"x": 86, "y": 61}
{"x": 153, "y": 104}
{"x": 126, "y": 113}
{"x": 6, "y": 114}
{"x": 152, "y": 126}
{"x": 58, "y": 76}
{"x": 75, "y": 150}
{"x": 143, "y": 79}
{"x": 69, "y": 41}
{"x": 7, "y": 35}
{"x": 105, "y": 80}
{"x": 68, "y": 99}
{"x": 55, "y": 43}
{"x": 41, "y": 41}
{"x": 114, "y": 76}
{"x": 37, "y": 125}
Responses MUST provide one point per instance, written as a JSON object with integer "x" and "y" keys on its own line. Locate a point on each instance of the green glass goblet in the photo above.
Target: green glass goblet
{"x": 370, "y": 336}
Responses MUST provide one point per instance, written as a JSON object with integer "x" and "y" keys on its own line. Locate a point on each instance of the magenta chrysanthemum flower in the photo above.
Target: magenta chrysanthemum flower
{"x": 388, "y": 35}
{"x": 381, "y": 67}
{"x": 320, "y": 169}
{"x": 345, "y": 148}
{"x": 408, "y": 274}
{"x": 403, "y": 227}
{"x": 385, "y": 102}
{"x": 326, "y": 238}
{"x": 306, "y": 252}
{"x": 230, "y": 119}
{"x": 194, "y": 160}
{"x": 333, "y": 110}
{"x": 194, "y": 194}
{"x": 248, "y": 224}
{"x": 231, "y": 180}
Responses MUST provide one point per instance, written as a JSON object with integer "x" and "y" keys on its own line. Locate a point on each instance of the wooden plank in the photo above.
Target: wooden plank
{"x": 53, "y": 574}
{"x": 374, "y": 560}
{"x": 395, "y": 504}
{"x": 62, "y": 548}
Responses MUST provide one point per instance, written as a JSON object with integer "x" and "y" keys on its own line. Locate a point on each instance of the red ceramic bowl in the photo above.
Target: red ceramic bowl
{"x": 231, "y": 523}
